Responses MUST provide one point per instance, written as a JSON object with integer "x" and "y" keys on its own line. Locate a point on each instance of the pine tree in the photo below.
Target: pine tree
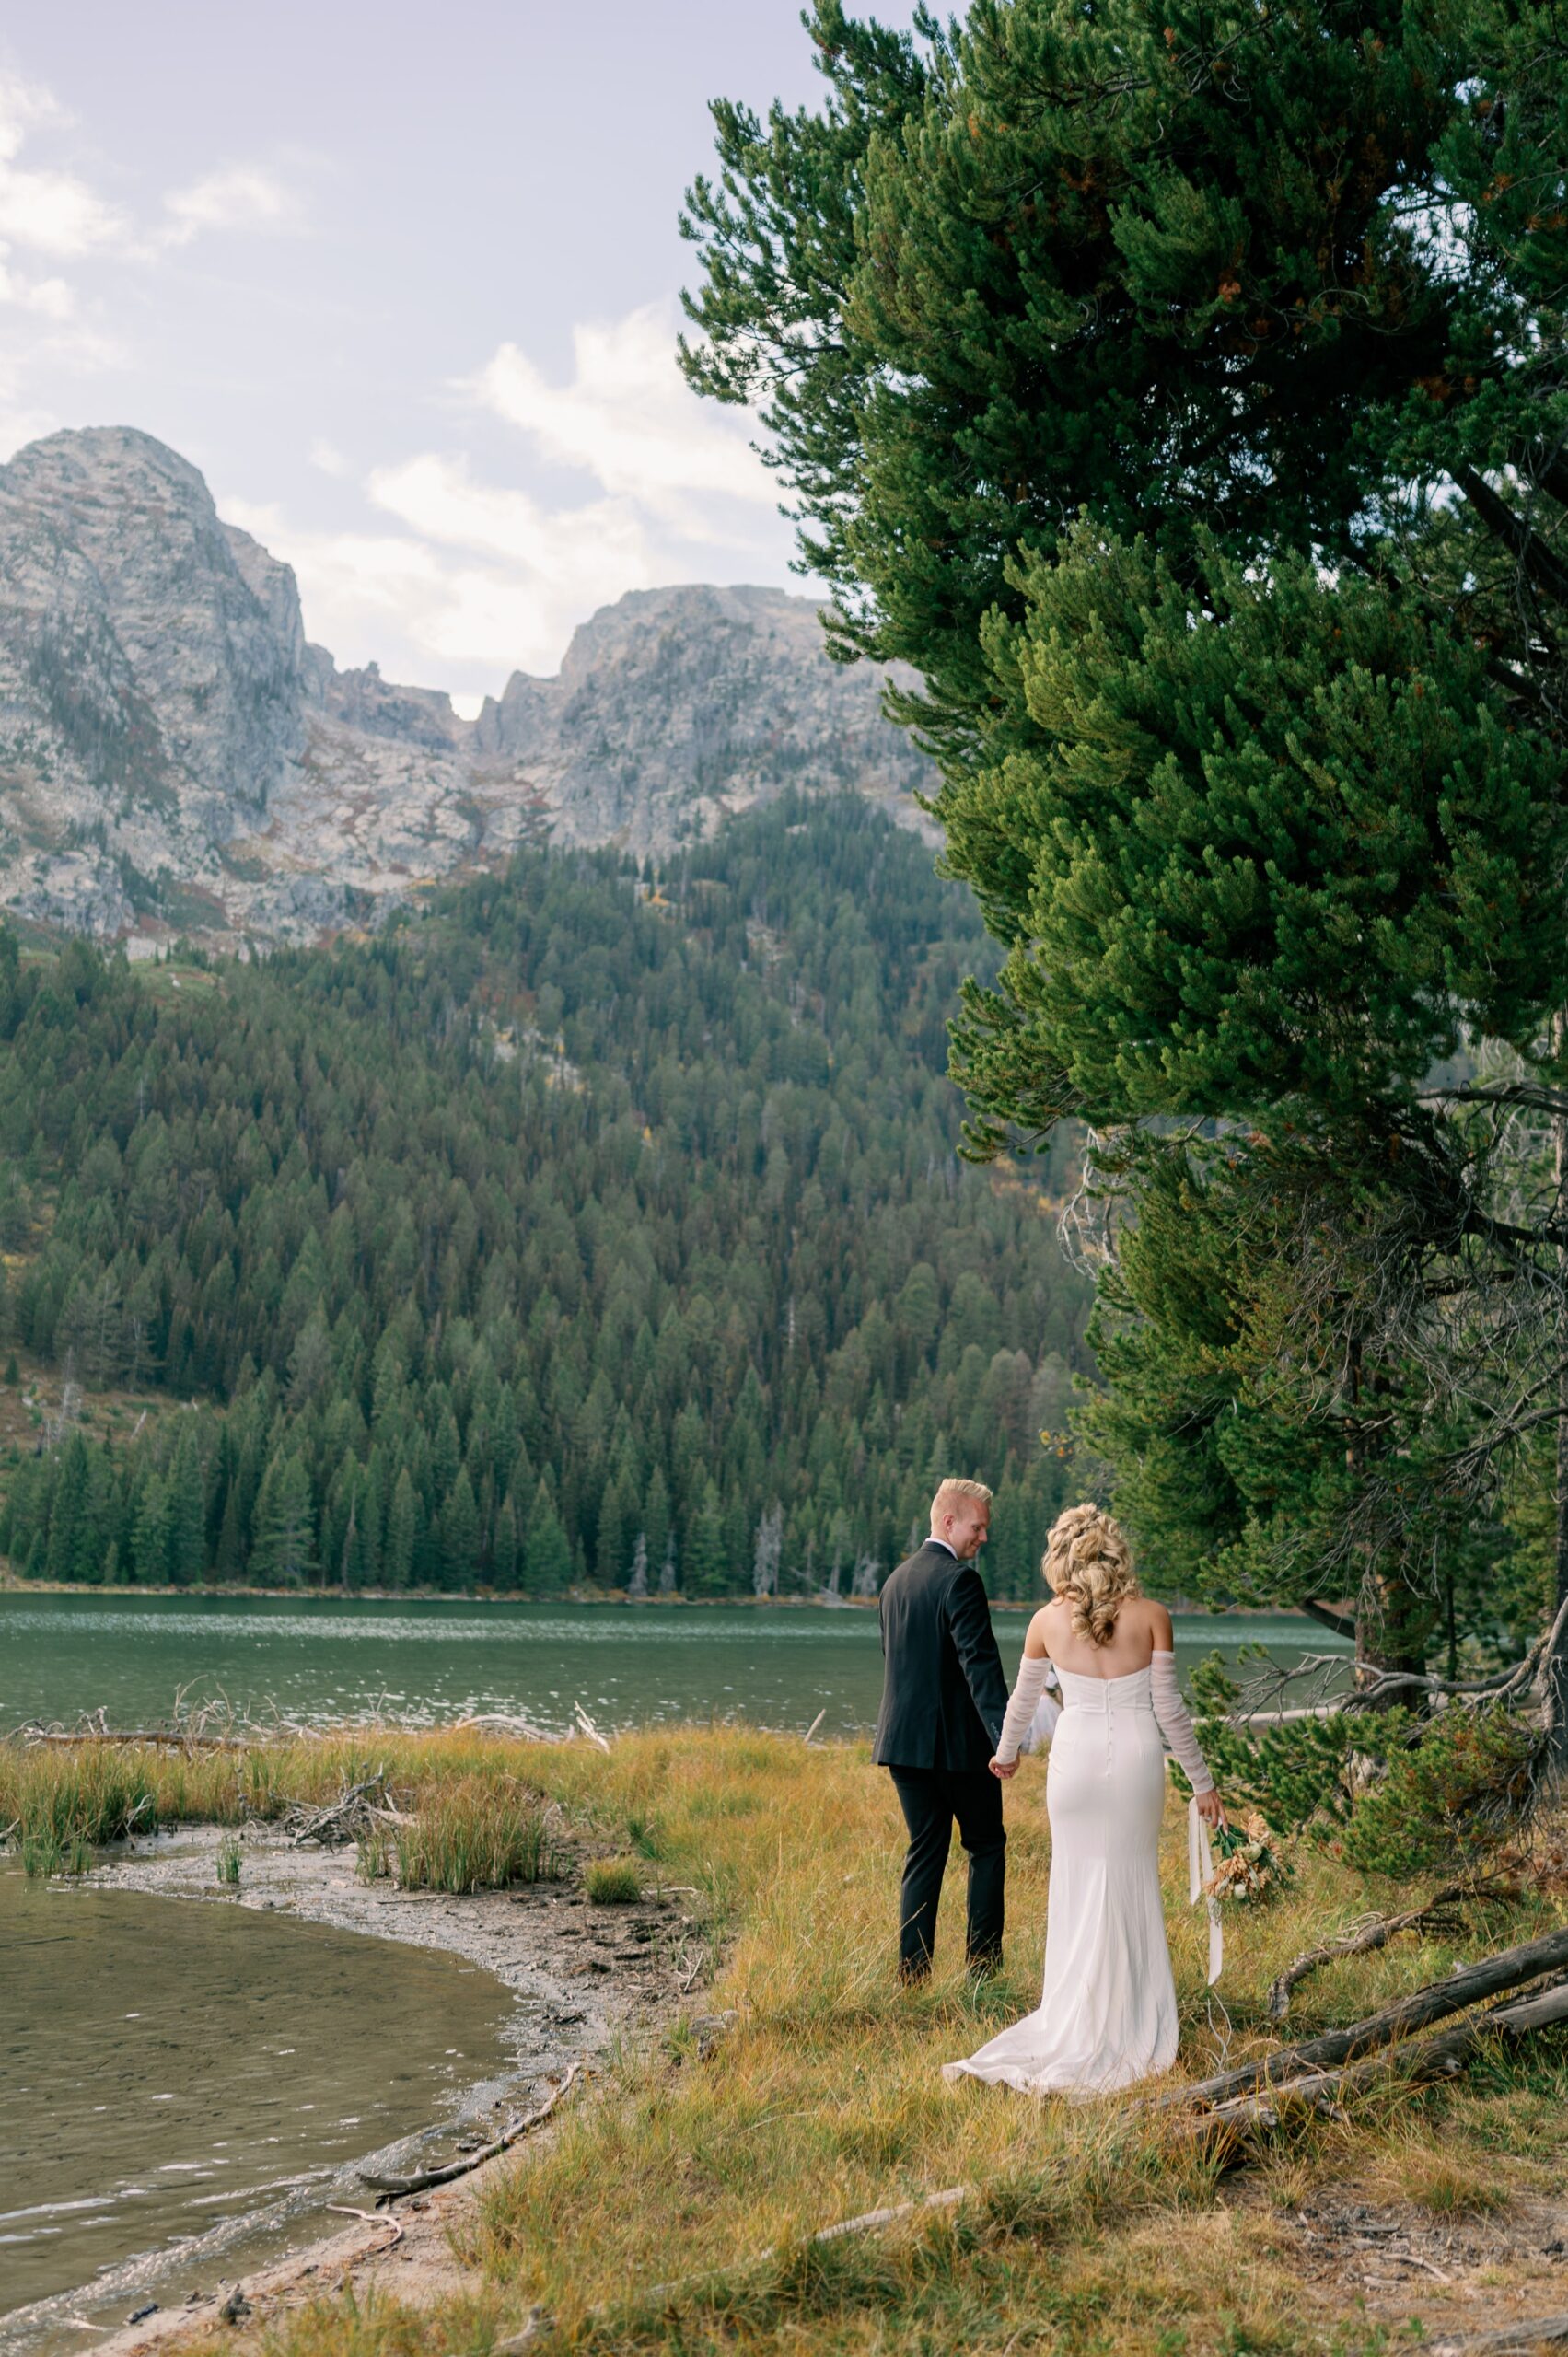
{"x": 654, "y": 1518}
{"x": 459, "y": 1535}
{"x": 504, "y": 1554}
{"x": 402, "y": 1531}
{"x": 897, "y": 282}
{"x": 69, "y": 1508}
{"x": 284, "y": 1553}
{"x": 186, "y": 1509}
{"x": 1255, "y": 770}
{"x": 547, "y": 1554}
{"x": 704, "y": 1555}
{"x": 229, "y": 1560}
{"x": 149, "y": 1534}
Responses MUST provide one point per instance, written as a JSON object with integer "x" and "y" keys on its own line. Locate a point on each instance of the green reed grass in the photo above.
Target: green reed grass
{"x": 90, "y": 1794}
{"x": 612, "y": 1882}
{"x": 47, "y": 1852}
{"x": 475, "y": 1836}
{"x": 228, "y": 1863}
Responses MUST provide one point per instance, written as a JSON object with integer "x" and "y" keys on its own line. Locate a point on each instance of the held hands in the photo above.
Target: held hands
{"x": 1211, "y": 1808}
{"x": 1003, "y": 1768}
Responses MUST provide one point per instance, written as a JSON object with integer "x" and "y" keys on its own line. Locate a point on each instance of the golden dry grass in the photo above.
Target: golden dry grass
{"x": 1087, "y": 2229}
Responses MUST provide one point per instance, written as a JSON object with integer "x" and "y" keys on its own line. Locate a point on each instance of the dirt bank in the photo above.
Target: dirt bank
{"x": 583, "y": 1977}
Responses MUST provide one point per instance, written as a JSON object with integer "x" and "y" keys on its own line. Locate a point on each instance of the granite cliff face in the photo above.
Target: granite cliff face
{"x": 174, "y": 752}
{"x": 675, "y": 705}
{"x": 150, "y": 699}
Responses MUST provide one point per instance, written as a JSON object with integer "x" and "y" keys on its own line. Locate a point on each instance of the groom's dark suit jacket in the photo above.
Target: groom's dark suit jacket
{"x": 943, "y": 1691}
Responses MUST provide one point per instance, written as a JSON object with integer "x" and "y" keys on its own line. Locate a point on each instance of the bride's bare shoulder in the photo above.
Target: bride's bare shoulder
{"x": 1157, "y": 1622}
{"x": 1042, "y": 1628}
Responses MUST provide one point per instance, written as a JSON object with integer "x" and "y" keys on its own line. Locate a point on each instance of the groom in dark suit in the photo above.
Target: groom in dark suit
{"x": 943, "y": 1700}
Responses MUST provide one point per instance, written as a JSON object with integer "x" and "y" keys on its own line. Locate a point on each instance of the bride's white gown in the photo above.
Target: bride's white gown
{"x": 1107, "y": 2012}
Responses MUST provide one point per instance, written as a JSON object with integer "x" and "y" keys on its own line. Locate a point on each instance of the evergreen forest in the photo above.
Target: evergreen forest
{"x": 585, "y": 1230}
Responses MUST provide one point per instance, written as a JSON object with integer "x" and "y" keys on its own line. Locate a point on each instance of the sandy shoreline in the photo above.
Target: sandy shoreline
{"x": 582, "y": 1977}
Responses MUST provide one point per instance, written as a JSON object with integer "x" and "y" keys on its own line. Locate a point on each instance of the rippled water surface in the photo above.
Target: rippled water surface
{"x": 323, "y": 1657}
{"x": 168, "y": 2067}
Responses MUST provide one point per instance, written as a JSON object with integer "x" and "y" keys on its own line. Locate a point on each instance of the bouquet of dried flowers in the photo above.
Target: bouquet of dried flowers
{"x": 1250, "y": 1868}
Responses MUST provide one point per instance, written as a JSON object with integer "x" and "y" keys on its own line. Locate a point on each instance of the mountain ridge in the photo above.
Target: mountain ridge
{"x": 176, "y": 752}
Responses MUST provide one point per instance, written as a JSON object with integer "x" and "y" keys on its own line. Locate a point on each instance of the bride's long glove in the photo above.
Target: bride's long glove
{"x": 1021, "y": 1706}
{"x": 1176, "y": 1725}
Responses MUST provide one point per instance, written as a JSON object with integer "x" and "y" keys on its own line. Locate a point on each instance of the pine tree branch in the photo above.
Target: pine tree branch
{"x": 1545, "y": 569}
{"x": 1342, "y": 1623}
{"x": 1528, "y": 1096}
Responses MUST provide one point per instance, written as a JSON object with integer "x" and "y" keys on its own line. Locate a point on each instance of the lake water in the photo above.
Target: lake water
{"x": 320, "y": 1659}
{"x": 176, "y": 2072}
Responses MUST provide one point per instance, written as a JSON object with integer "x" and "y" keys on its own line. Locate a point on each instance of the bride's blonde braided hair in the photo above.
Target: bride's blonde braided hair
{"x": 1088, "y": 1564}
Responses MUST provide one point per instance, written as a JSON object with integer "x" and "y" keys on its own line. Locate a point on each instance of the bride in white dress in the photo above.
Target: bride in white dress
{"x": 1106, "y": 2015}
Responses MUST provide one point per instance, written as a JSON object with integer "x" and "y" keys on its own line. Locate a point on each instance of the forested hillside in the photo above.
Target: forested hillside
{"x": 587, "y": 1228}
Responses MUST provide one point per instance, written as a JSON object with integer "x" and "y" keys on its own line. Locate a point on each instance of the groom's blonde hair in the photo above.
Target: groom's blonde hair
{"x": 1088, "y": 1564}
{"x": 955, "y": 1486}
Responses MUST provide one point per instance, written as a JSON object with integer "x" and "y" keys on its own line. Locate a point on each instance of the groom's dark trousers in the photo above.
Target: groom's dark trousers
{"x": 943, "y": 1700}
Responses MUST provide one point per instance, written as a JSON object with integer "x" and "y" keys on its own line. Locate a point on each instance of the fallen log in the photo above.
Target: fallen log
{"x": 393, "y": 2186}
{"x": 1472, "y": 1985}
{"x": 1417, "y": 2063}
{"x": 1434, "y": 1915}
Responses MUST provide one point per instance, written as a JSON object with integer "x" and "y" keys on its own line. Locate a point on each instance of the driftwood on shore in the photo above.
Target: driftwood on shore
{"x": 176, "y": 1740}
{"x": 343, "y": 1819}
{"x": 242, "y": 1733}
{"x": 389, "y": 2187}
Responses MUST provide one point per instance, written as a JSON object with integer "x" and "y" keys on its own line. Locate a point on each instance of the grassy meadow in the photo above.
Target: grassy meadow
{"x": 670, "y": 2207}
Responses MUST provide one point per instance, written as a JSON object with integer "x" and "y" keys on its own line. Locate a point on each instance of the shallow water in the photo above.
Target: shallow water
{"x": 320, "y": 1659}
{"x": 169, "y": 2068}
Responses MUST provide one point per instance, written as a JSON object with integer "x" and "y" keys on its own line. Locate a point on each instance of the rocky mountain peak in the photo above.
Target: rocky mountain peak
{"x": 215, "y": 661}
{"x": 174, "y": 750}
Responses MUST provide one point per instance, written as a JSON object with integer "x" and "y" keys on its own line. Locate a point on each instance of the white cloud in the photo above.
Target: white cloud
{"x": 51, "y": 298}
{"x": 628, "y": 418}
{"x": 53, "y": 213}
{"x": 572, "y": 546}
{"x": 406, "y": 602}
{"x": 327, "y": 457}
{"x": 487, "y": 577}
{"x": 240, "y": 197}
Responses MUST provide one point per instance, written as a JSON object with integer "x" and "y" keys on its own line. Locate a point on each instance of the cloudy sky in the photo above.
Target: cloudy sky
{"x": 402, "y": 281}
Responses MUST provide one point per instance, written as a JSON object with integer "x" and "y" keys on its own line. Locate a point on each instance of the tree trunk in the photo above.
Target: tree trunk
{"x": 1554, "y": 1680}
{"x": 1390, "y": 1626}
{"x": 1392, "y": 1629}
